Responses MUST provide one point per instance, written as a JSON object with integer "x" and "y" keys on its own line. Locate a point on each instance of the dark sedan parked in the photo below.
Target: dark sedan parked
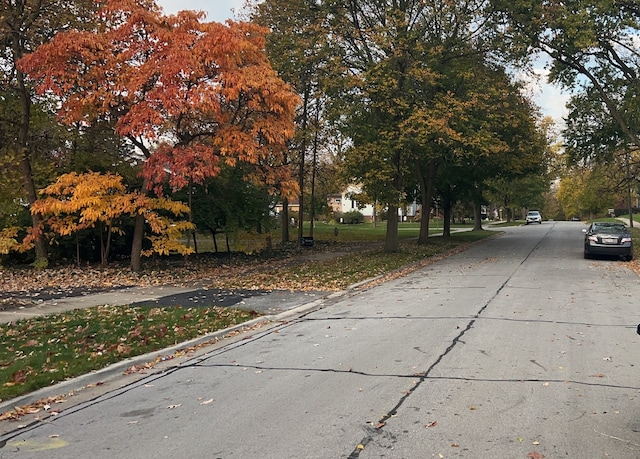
{"x": 608, "y": 239}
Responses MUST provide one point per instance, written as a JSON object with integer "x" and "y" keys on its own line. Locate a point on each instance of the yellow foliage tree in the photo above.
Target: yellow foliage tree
{"x": 83, "y": 201}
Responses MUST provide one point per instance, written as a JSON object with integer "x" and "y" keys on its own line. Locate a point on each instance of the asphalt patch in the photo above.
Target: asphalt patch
{"x": 262, "y": 301}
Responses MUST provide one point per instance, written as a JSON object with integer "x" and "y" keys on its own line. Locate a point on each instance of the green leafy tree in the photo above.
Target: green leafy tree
{"x": 402, "y": 60}
{"x": 298, "y": 49}
{"x": 586, "y": 191}
{"x": 229, "y": 203}
{"x": 593, "y": 49}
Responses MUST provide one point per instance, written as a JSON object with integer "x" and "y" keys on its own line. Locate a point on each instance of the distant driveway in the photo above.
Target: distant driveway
{"x": 515, "y": 348}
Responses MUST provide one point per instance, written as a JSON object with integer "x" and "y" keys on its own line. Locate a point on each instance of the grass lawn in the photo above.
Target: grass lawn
{"x": 363, "y": 232}
{"x": 36, "y": 353}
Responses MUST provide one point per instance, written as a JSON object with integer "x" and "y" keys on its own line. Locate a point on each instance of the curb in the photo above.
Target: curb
{"x": 117, "y": 370}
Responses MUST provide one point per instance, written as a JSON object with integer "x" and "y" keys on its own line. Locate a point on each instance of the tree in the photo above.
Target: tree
{"x": 593, "y": 47}
{"x": 24, "y": 25}
{"x": 83, "y": 201}
{"x": 585, "y": 191}
{"x": 228, "y": 203}
{"x": 397, "y": 56}
{"x": 297, "y": 46}
{"x": 185, "y": 93}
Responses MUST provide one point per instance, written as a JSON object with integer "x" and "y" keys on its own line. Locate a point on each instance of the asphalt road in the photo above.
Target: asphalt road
{"x": 515, "y": 348}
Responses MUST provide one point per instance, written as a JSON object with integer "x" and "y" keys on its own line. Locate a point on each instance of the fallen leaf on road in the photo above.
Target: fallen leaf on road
{"x": 431, "y": 424}
{"x": 598, "y": 375}
{"x": 171, "y": 407}
{"x": 206, "y": 402}
{"x": 535, "y": 455}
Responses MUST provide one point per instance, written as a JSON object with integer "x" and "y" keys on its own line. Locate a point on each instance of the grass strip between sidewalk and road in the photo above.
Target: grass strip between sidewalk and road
{"x": 39, "y": 352}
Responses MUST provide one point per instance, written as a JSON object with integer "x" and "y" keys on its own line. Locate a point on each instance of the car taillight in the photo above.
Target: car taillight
{"x": 592, "y": 238}
{"x": 626, "y": 239}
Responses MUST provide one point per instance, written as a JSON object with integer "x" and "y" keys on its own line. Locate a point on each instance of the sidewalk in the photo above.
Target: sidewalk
{"x": 262, "y": 301}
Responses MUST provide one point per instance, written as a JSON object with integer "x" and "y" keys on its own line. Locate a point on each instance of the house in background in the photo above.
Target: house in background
{"x": 294, "y": 206}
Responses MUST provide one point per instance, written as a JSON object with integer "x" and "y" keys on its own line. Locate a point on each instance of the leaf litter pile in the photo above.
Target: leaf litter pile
{"x": 36, "y": 353}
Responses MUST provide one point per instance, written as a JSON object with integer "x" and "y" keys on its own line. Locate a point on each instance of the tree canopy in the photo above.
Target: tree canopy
{"x": 186, "y": 93}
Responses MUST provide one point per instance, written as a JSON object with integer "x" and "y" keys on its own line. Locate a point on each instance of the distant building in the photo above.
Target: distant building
{"x": 345, "y": 202}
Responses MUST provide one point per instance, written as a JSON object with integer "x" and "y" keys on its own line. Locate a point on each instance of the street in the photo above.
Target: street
{"x": 515, "y": 348}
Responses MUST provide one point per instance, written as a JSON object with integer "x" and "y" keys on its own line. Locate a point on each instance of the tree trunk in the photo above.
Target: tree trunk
{"x": 108, "y": 249}
{"x": 25, "y": 167}
{"x": 426, "y": 195}
{"x": 314, "y": 165}
{"x": 477, "y": 217}
{"x": 447, "y": 206}
{"x": 391, "y": 238}
{"x": 303, "y": 152}
{"x": 136, "y": 245}
{"x": 215, "y": 242}
{"x": 446, "y": 219}
{"x": 17, "y": 42}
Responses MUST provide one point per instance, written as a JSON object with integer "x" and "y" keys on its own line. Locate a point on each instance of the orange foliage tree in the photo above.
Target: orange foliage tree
{"x": 187, "y": 93}
{"x": 83, "y": 201}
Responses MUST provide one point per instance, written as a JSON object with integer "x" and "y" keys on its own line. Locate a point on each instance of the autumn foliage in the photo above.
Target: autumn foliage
{"x": 198, "y": 92}
{"x": 187, "y": 94}
{"x": 93, "y": 200}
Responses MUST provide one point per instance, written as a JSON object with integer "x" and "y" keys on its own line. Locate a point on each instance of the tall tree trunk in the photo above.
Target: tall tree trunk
{"x": 303, "y": 152}
{"x": 314, "y": 165}
{"x": 477, "y": 216}
{"x": 136, "y": 245}
{"x": 426, "y": 177}
{"x": 391, "y": 238}
{"x": 25, "y": 167}
{"x": 446, "y": 219}
{"x": 447, "y": 206}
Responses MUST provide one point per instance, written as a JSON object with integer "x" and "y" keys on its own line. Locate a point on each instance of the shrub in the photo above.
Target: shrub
{"x": 352, "y": 218}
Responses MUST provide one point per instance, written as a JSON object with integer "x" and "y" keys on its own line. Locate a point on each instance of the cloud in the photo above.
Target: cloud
{"x": 551, "y": 99}
{"x": 217, "y": 10}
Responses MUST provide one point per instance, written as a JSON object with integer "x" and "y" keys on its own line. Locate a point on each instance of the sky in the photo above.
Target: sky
{"x": 217, "y": 10}
{"x": 550, "y": 99}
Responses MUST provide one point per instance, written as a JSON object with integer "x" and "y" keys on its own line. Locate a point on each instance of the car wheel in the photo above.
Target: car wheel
{"x": 586, "y": 255}
{"x": 629, "y": 257}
